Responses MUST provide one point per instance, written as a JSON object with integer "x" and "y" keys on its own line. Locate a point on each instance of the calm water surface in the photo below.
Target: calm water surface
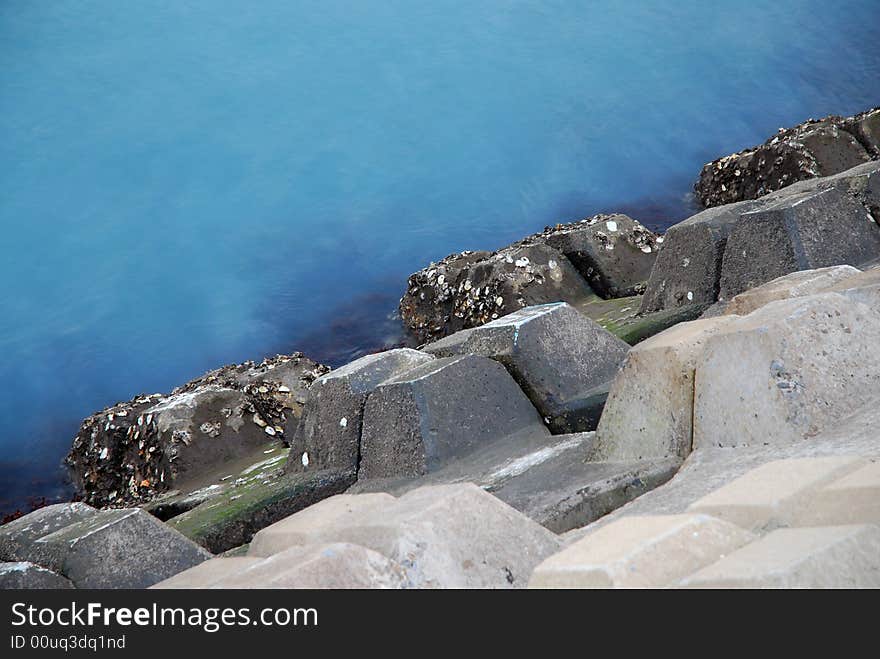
{"x": 185, "y": 184}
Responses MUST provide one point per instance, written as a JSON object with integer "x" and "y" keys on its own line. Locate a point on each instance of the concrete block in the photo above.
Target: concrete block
{"x": 18, "y": 536}
{"x": 562, "y": 360}
{"x": 614, "y": 253}
{"x": 640, "y": 552}
{"x": 851, "y": 499}
{"x": 813, "y": 557}
{"x": 774, "y": 494}
{"x": 123, "y": 548}
{"x": 329, "y": 433}
{"x": 688, "y": 267}
{"x": 304, "y": 527}
{"x": 797, "y": 232}
{"x": 443, "y": 410}
{"x": 447, "y": 536}
{"x": 206, "y": 574}
{"x": 786, "y": 372}
{"x": 26, "y": 576}
{"x": 336, "y": 565}
{"x": 795, "y": 284}
{"x": 649, "y": 412}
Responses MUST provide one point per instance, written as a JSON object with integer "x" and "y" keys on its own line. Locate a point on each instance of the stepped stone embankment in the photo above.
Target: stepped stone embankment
{"x": 809, "y": 150}
{"x": 737, "y": 449}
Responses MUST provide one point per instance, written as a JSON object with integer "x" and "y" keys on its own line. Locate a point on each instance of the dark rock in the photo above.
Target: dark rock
{"x": 23, "y": 575}
{"x": 562, "y": 360}
{"x": 329, "y": 434}
{"x": 420, "y": 421}
{"x": 797, "y": 232}
{"x": 865, "y": 126}
{"x": 124, "y": 548}
{"x": 809, "y": 150}
{"x": 132, "y": 451}
{"x": 470, "y": 289}
{"x": 614, "y": 253}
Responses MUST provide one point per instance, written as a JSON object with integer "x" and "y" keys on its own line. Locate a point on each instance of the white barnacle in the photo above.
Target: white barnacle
{"x": 104, "y": 453}
{"x": 690, "y": 296}
{"x": 343, "y": 422}
{"x": 269, "y": 431}
{"x": 611, "y": 225}
{"x": 552, "y": 264}
{"x": 305, "y": 459}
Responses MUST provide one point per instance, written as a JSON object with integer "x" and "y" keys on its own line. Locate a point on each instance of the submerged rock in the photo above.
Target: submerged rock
{"x": 133, "y": 451}
{"x": 809, "y": 150}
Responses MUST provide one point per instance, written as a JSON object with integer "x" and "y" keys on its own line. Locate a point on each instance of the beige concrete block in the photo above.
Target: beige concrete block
{"x": 810, "y": 557}
{"x": 773, "y": 494}
{"x": 305, "y": 527}
{"x": 206, "y": 574}
{"x": 639, "y": 552}
{"x": 649, "y": 410}
{"x": 335, "y": 565}
{"x": 852, "y": 499}
{"x": 795, "y": 284}
{"x": 786, "y": 372}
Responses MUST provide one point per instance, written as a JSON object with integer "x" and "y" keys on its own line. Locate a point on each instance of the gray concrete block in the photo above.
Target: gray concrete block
{"x": 614, "y": 253}
{"x": 441, "y": 411}
{"x": 328, "y": 436}
{"x": 18, "y": 536}
{"x": 688, "y": 267}
{"x": 26, "y": 576}
{"x": 562, "y": 360}
{"x": 813, "y": 557}
{"x": 851, "y": 499}
{"x": 797, "y": 232}
{"x": 124, "y": 548}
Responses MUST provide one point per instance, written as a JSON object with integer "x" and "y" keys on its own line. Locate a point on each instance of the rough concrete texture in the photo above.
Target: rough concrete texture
{"x": 774, "y": 494}
{"x": 812, "y": 557}
{"x": 124, "y": 548}
{"x": 649, "y": 412}
{"x": 614, "y": 253}
{"x": 419, "y": 421}
{"x": 299, "y": 529}
{"x": 851, "y": 499}
{"x": 795, "y": 284}
{"x": 811, "y": 149}
{"x": 204, "y": 575}
{"x": 547, "y": 479}
{"x": 640, "y": 552}
{"x": 328, "y": 436}
{"x": 136, "y": 450}
{"x": 470, "y": 289}
{"x": 26, "y": 576}
{"x": 688, "y": 268}
{"x": 798, "y": 366}
{"x": 797, "y": 232}
{"x": 18, "y": 536}
{"x": 448, "y": 536}
{"x": 563, "y": 361}
{"x": 334, "y": 565}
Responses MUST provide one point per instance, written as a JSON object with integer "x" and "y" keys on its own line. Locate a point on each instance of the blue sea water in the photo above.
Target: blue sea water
{"x": 186, "y": 183}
